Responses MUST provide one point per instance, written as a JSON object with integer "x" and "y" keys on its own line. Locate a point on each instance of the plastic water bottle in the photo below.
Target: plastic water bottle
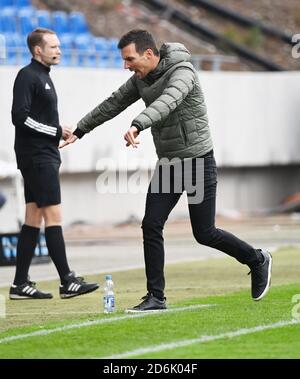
{"x": 109, "y": 296}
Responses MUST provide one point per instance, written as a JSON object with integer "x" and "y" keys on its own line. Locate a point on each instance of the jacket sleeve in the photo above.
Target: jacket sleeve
{"x": 119, "y": 100}
{"x": 23, "y": 93}
{"x": 180, "y": 84}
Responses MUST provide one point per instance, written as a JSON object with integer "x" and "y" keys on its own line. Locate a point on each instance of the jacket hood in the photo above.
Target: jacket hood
{"x": 170, "y": 54}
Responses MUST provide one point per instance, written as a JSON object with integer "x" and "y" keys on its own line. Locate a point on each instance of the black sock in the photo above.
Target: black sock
{"x": 25, "y": 251}
{"x": 57, "y": 250}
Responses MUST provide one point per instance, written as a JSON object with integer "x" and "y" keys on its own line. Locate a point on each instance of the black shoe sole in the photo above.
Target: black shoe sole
{"x": 19, "y": 297}
{"x": 145, "y": 310}
{"x": 68, "y": 296}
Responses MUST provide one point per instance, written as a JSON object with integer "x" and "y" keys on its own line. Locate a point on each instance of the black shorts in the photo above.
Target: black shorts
{"x": 41, "y": 184}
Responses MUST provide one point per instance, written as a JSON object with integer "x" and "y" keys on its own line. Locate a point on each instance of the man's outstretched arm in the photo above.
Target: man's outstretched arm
{"x": 119, "y": 100}
{"x": 130, "y": 138}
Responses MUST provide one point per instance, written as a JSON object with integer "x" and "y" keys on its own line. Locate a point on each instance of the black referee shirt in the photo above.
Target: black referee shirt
{"x": 35, "y": 116}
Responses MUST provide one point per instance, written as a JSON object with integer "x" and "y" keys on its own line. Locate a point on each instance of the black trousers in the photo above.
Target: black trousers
{"x": 159, "y": 204}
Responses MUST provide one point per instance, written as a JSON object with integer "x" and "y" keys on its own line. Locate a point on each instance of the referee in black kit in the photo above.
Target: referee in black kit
{"x": 37, "y": 136}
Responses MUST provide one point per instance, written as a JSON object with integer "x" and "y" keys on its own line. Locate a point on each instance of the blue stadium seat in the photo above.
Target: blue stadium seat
{"x": 10, "y": 49}
{"x": 26, "y": 58}
{"x": 115, "y": 58}
{"x": 79, "y": 47}
{"x": 84, "y": 44}
{"x": 100, "y": 43}
{"x": 78, "y": 23}
{"x": 23, "y": 55}
{"x": 60, "y": 22}
{"x": 101, "y": 46}
{"x": 17, "y": 52}
{"x": 66, "y": 40}
{"x": 2, "y": 50}
{"x": 113, "y": 44}
{"x": 29, "y": 11}
{"x": 112, "y": 59}
{"x": 84, "y": 41}
{"x": 8, "y": 21}
{"x": 6, "y": 3}
{"x": 44, "y": 19}
{"x": 26, "y": 11}
{"x": 27, "y": 23}
{"x": 21, "y": 3}
{"x": 13, "y": 11}
{"x": 118, "y": 61}
{"x": 66, "y": 45}
{"x": 20, "y": 41}
{"x": 1, "y": 25}
{"x": 104, "y": 60}
{"x": 15, "y": 48}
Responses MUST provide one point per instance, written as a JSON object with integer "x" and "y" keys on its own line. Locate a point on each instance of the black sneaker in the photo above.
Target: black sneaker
{"x": 150, "y": 303}
{"x": 261, "y": 277}
{"x": 75, "y": 286}
{"x": 27, "y": 290}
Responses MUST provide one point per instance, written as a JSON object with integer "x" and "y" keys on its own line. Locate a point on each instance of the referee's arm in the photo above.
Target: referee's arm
{"x": 23, "y": 93}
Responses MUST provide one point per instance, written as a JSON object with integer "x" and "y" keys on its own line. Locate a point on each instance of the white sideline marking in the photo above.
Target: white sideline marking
{"x": 44, "y": 332}
{"x": 182, "y": 343}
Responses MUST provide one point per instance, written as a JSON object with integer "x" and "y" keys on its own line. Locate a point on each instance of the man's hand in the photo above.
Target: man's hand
{"x": 66, "y": 132}
{"x": 71, "y": 139}
{"x": 130, "y": 137}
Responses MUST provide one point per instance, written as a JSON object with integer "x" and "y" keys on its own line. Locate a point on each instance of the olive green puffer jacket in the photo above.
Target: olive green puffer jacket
{"x": 175, "y": 107}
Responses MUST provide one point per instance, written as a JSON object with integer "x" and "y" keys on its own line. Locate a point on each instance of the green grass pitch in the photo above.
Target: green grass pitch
{"x": 232, "y": 325}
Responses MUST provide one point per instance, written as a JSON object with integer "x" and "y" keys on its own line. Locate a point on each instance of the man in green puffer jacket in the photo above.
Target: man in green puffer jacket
{"x": 176, "y": 113}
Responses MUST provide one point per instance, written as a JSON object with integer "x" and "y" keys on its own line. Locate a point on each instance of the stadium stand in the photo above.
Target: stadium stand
{"x": 79, "y": 46}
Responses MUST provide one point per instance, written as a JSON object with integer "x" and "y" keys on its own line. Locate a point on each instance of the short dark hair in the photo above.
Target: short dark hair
{"x": 36, "y": 38}
{"x": 142, "y": 39}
